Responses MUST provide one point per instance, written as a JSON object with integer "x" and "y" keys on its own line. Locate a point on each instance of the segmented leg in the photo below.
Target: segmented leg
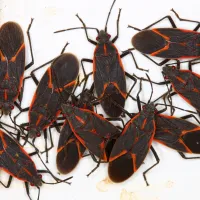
{"x": 157, "y": 162}
{"x": 43, "y": 65}
{"x": 125, "y": 53}
{"x": 187, "y": 20}
{"x": 30, "y": 45}
{"x": 89, "y": 40}
{"x": 116, "y": 37}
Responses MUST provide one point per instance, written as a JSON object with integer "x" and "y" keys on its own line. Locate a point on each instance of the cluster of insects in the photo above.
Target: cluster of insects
{"x": 55, "y": 103}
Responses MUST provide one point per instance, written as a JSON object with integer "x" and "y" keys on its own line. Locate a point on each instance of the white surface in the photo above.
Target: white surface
{"x": 174, "y": 178}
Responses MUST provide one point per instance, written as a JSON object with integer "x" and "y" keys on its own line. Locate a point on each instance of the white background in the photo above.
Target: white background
{"x": 174, "y": 178}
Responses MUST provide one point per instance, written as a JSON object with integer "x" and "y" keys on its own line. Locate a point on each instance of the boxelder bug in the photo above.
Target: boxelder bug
{"x": 70, "y": 150}
{"x": 108, "y": 70}
{"x": 45, "y": 106}
{"x": 96, "y": 133}
{"x": 178, "y": 134}
{"x": 12, "y": 56}
{"x": 168, "y": 43}
{"x": 131, "y": 148}
{"x": 59, "y": 79}
{"x": 17, "y": 162}
{"x": 184, "y": 82}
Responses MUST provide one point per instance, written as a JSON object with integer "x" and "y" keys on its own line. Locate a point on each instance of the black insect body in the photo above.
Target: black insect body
{"x": 12, "y": 65}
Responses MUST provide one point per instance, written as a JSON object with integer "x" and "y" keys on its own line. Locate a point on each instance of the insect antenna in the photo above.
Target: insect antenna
{"x": 75, "y": 28}
{"x": 109, "y": 15}
{"x": 151, "y": 89}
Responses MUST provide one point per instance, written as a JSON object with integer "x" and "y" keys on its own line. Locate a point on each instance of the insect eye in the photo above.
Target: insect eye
{"x": 38, "y": 134}
{"x": 165, "y": 77}
{"x": 40, "y": 176}
{"x": 12, "y": 107}
{"x": 109, "y": 36}
{"x": 97, "y": 38}
{"x": 143, "y": 107}
{"x": 173, "y": 67}
{"x": 32, "y": 184}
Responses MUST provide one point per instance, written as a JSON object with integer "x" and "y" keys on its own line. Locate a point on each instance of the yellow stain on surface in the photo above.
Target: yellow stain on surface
{"x": 50, "y": 11}
{"x": 103, "y": 186}
{"x": 125, "y": 195}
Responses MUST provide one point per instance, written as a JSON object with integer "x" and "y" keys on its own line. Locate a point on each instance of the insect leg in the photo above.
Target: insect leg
{"x": 46, "y": 149}
{"x": 125, "y": 53}
{"x": 170, "y": 95}
{"x": 63, "y": 49}
{"x": 190, "y": 64}
{"x": 24, "y": 124}
{"x": 187, "y": 20}
{"x": 33, "y": 75}
{"x": 157, "y": 83}
{"x": 30, "y": 45}
{"x": 57, "y": 125}
{"x": 57, "y": 179}
{"x": 138, "y": 98}
{"x": 83, "y": 68}
{"x": 134, "y": 80}
{"x": 9, "y": 182}
{"x": 116, "y": 119}
{"x": 190, "y": 116}
{"x": 158, "y": 21}
{"x": 89, "y": 40}
{"x": 157, "y": 162}
{"x": 61, "y": 118}
{"x": 38, "y": 193}
{"x": 27, "y": 190}
{"x": 21, "y": 111}
{"x": 20, "y": 97}
{"x": 43, "y": 65}
{"x": 157, "y": 63}
{"x": 98, "y": 163}
{"x": 116, "y": 37}
{"x": 185, "y": 157}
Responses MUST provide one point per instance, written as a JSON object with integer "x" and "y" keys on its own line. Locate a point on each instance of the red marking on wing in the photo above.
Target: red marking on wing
{"x": 39, "y": 119}
{"x": 180, "y": 79}
{"x": 80, "y": 120}
{"x": 72, "y": 83}
{"x": 134, "y": 162}
{"x": 162, "y": 35}
{"x": 68, "y": 142}
{"x": 79, "y": 149}
{"x": 128, "y": 124}
{"x": 160, "y": 50}
{"x": 105, "y": 50}
{"x": 117, "y": 156}
{"x": 50, "y": 85}
{"x": 3, "y": 58}
{"x": 13, "y": 59}
{"x": 5, "y": 95}
{"x": 143, "y": 124}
